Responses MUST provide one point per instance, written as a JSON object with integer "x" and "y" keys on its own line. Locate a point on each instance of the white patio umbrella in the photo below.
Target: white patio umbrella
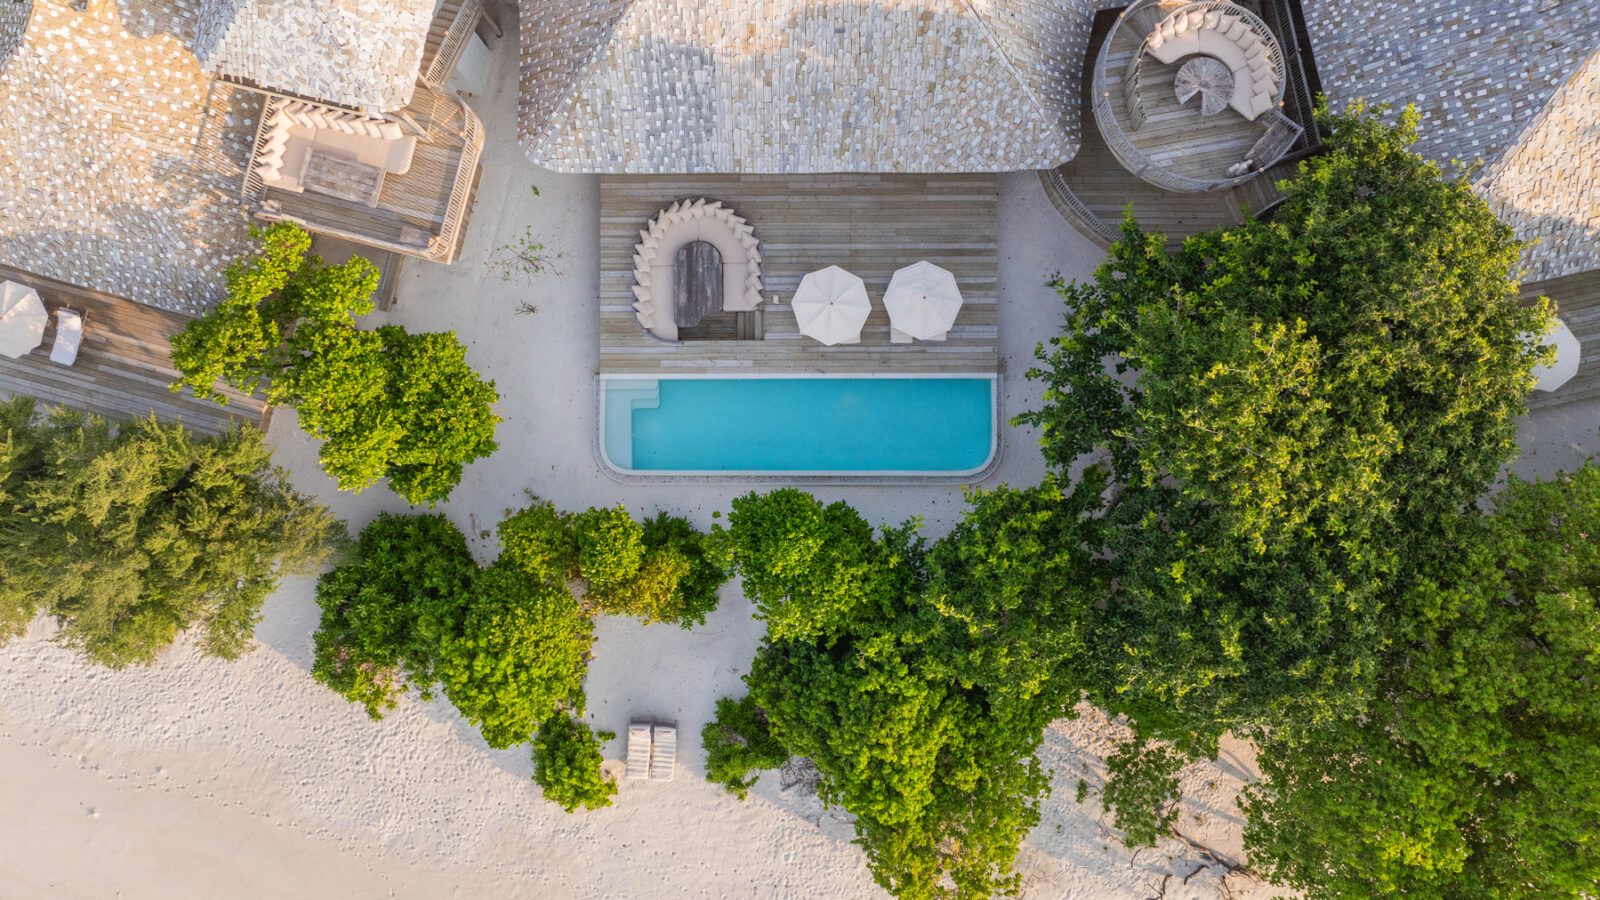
{"x": 22, "y": 319}
{"x": 831, "y": 305}
{"x": 922, "y": 300}
{"x": 1561, "y": 371}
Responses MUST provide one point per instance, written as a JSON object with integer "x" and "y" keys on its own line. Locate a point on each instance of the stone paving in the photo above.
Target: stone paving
{"x": 1513, "y": 84}
{"x": 735, "y": 86}
{"x": 120, "y": 160}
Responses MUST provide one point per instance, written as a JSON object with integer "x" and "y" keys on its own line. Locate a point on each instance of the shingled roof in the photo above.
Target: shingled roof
{"x": 357, "y": 53}
{"x": 659, "y": 86}
{"x": 1515, "y": 85}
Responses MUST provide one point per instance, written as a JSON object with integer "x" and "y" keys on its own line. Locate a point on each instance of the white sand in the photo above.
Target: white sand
{"x": 197, "y": 778}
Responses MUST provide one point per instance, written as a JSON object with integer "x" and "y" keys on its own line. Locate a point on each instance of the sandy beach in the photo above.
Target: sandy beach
{"x": 197, "y": 778}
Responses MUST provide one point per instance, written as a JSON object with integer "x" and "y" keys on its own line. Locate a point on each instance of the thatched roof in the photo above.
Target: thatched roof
{"x": 791, "y": 86}
{"x": 1517, "y": 87}
{"x": 362, "y": 54}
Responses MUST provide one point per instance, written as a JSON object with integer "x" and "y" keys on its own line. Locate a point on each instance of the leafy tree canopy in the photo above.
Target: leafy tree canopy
{"x": 520, "y": 654}
{"x": 1289, "y": 410}
{"x": 884, "y": 666}
{"x": 387, "y": 610}
{"x": 737, "y": 743}
{"x": 566, "y": 764}
{"x": 385, "y": 403}
{"x": 1476, "y": 773}
{"x": 133, "y": 534}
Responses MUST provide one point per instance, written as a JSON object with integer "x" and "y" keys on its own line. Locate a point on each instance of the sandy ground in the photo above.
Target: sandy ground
{"x": 197, "y": 778}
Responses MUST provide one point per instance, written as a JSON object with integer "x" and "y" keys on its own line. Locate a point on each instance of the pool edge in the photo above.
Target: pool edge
{"x": 645, "y": 477}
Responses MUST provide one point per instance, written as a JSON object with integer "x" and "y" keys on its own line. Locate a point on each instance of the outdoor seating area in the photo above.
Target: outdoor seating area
{"x": 1160, "y": 53}
{"x": 652, "y": 750}
{"x": 694, "y": 258}
{"x": 870, "y": 227}
{"x": 71, "y": 346}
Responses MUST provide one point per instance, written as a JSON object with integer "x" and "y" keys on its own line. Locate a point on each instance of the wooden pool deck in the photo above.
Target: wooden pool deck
{"x": 123, "y": 367}
{"x": 1577, "y": 300}
{"x": 868, "y": 224}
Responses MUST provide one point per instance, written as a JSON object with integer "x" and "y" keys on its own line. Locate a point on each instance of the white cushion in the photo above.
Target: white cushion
{"x": 1237, "y": 30}
{"x": 390, "y": 131}
{"x": 69, "y": 336}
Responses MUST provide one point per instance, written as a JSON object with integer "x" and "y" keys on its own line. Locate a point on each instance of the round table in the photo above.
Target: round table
{"x": 1210, "y": 78}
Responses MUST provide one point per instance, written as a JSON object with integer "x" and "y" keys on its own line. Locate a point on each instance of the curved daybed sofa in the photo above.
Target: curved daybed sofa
{"x": 1256, "y": 64}
{"x": 672, "y": 228}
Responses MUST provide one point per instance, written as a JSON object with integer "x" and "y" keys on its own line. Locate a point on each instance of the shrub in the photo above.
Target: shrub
{"x": 662, "y": 571}
{"x": 700, "y": 574}
{"x": 610, "y": 553}
{"x": 566, "y": 764}
{"x": 384, "y": 402}
{"x": 386, "y": 611}
{"x": 519, "y": 655}
{"x": 129, "y": 536}
{"x": 737, "y": 743}
{"x": 539, "y": 540}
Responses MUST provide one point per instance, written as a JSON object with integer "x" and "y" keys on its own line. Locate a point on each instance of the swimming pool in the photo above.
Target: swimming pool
{"x": 798, "y": 425}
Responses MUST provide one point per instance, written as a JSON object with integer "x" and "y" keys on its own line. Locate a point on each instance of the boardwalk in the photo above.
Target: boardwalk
{"x": 1577, "y": 299}
{"x": 869, "y": 224}
{"x": 123, "y": 367}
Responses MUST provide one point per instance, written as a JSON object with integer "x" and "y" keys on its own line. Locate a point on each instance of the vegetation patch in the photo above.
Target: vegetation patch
{"x": 566, "y": 764}
{"x": 385, "y": 403}
{"x": 129, "y": 535}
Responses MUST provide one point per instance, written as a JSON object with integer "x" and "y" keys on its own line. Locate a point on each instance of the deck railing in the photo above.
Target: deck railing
{"x": 441, "y": 246}
{"x": 1062, "y": 192}
{"x": 454, "y": 44}
{"x": 1122, "y": 147}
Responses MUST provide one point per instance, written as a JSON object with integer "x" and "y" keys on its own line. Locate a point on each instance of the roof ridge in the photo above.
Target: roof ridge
{"x": 1027, "y": 89}
{"x": 581, "y": 76}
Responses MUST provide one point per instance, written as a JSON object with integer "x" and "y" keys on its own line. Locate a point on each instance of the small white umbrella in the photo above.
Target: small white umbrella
{"x": 922, "y": 300}
{"x": 1561, "y": 371}
{"x": 831, "y": 305}
{"x": 22, "y": 319}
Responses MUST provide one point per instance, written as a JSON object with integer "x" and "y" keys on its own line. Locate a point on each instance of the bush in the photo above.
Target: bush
{"x": 662, "y": 571}
{"x": 700, "y": 574}
{"x": 739, "y": 743}
{"x": 384, "y": 402}
{"x": 129, "y": 536}
{"x": 539, "y": 540}
{"x": 386, "y": 611}
{"x": 519, "y": 655}
{"x": 566, "y": 764}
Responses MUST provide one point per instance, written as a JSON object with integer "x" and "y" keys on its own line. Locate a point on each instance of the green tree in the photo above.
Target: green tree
{"x": 1476, "y": 772}
{"x": 1291, "y": 408}
{"x": 520, "y": 654}
{"x": 385, "y": 403}
{"x": 131, "y": 535}
{"x": 387, "y": 610}
{"x": 737, "y": 743}
{"x": 661, "y": 571}
{"x": 884, "y": 665}
{"x": 566, "y": 764}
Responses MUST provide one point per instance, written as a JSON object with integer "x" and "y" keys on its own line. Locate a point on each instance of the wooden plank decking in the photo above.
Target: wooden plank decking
{"x": 123, "y": 366}
{"x": 1577, "y": 299}
{"x": 868, "y": 224}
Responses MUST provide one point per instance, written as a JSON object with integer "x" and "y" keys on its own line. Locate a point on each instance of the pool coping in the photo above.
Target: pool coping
{"x": 645, "y": 477}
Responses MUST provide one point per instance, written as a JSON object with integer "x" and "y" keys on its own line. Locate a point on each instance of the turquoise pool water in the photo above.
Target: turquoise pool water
{"x": 921, "y": 425}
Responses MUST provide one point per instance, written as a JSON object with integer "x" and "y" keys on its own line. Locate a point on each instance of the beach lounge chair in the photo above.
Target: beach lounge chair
{"x": 69, "y": 336}
{"x": 638, "y": 751}
{"x": 665, "y": 755}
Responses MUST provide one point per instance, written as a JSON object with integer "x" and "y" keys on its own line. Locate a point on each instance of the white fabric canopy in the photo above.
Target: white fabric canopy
{"x": 922, "y": 300}
{"x": 22, "y": 319}
{"x": 831, "y": 305}
{"x": 1561, "y": 371}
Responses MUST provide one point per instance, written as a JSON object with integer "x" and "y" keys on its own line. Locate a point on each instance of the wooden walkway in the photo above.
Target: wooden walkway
{"x": 1577, "y": 299}
{"x": 868, "y": 224}
{"x": 123, "y": 367}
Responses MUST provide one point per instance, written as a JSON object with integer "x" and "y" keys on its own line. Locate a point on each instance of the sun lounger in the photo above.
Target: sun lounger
{"x": 665, "y": 755}
{"x": 638, "y": 751}
{"x": 69, "y": 336}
